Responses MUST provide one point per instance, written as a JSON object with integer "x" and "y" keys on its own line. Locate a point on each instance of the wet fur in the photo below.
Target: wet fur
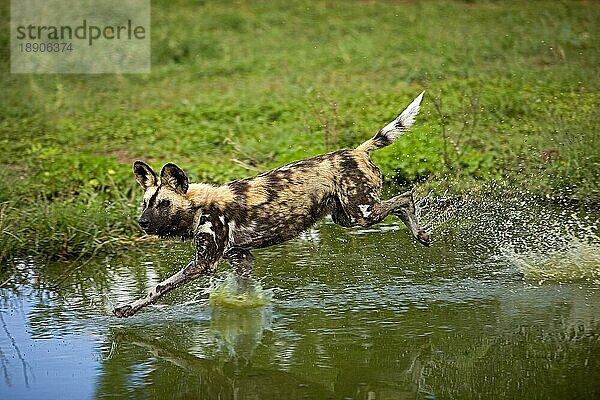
{"x": 230, "y": 220}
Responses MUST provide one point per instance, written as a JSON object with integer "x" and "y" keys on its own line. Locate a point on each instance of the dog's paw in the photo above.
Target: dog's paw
{"x": 424, "y": 238}
{"x": 123, "y": 312}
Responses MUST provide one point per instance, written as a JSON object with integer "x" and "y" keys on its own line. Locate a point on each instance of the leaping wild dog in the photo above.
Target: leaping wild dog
{"x": 229, "y": 221}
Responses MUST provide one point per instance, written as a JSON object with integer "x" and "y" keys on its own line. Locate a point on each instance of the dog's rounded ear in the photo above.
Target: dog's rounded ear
{"x": 145, "y": 176}
{"x": 174, "y": 176}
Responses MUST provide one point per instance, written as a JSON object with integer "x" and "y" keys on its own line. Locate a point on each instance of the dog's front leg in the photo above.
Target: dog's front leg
{"x": 192, "y": 271}
{"x": 209, "y": 250}
{"x": 242, "y": 262}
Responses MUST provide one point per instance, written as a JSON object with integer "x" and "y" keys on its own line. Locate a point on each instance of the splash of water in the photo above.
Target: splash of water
{"x": 555, "y": 246}
{"x": 579, "y": 261}
{"x": 544, "y": 242}
{"x": 229, "y": 290}
{"x": 240, "y": 313}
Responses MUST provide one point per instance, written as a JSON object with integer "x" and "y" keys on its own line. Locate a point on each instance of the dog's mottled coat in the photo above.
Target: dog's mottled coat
{"x": 230, "y": 220}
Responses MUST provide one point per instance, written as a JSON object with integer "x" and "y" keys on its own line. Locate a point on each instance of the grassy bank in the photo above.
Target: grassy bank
{"x": 512, "y": 96}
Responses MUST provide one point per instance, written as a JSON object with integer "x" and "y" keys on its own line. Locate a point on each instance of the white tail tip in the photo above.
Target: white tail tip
{"x": 407, "y": 118}
{"x": 404, "y": 120}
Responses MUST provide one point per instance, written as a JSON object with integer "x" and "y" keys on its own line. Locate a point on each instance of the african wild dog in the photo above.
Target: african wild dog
{"x": 228, "y": 221}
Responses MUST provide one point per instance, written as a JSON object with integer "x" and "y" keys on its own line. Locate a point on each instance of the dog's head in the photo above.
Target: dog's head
{"x": 167, "y": 211}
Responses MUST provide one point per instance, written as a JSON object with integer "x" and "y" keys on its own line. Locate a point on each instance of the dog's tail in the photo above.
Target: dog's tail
{"x": 389, "y": 133}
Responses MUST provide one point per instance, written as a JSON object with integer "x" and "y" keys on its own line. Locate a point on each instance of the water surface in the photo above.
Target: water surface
{"x": 505, "y": 304}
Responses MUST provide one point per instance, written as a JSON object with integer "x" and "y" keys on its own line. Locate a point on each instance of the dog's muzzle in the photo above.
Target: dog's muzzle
{"x": 144, "y": 223}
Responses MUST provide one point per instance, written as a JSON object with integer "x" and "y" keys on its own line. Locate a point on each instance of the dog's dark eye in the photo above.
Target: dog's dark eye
{"x": 164, "y": 203}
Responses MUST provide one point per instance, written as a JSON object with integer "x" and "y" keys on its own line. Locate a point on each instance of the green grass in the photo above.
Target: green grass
{"x": 238, "y": 88}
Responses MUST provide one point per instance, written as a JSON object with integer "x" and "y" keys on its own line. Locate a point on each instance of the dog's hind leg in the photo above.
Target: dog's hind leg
{"x": 359, "y": 211}
{"x": 403, "y": 207}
